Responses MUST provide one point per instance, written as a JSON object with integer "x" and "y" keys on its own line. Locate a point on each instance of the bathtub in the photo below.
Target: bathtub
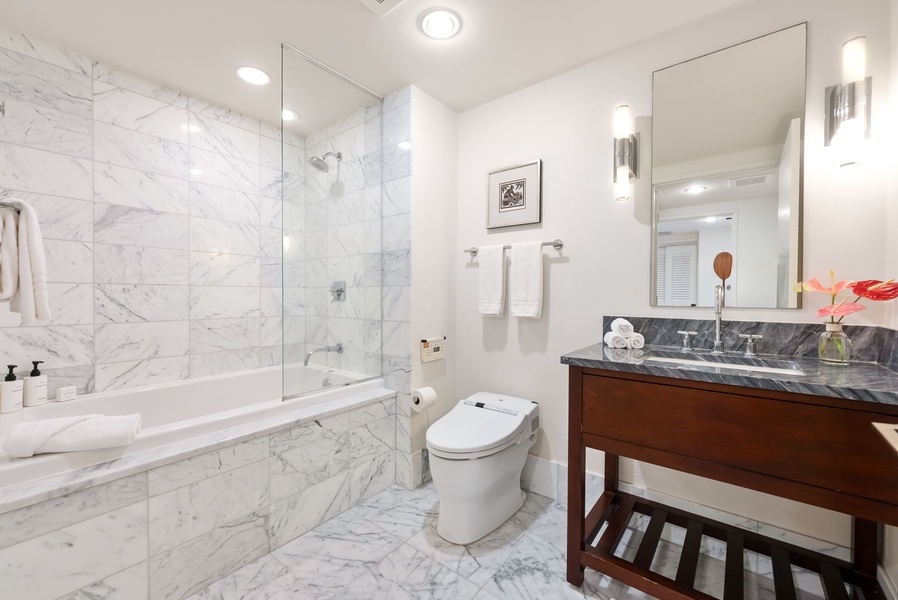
{"x": 174, "y": 413}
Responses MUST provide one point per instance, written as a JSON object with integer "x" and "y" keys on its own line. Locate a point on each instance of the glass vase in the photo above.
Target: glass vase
{"x": 834, "y": 347}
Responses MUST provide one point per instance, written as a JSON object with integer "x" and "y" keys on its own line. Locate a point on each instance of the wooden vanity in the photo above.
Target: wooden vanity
{"x": 818, "y": 450}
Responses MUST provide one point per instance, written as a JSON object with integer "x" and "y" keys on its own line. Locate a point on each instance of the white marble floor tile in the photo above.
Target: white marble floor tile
{"x": 407, "y": 574}
{"x": 252, "y": 581}
{"x": 399, "y": 511}
{"x": 543, "y": 517}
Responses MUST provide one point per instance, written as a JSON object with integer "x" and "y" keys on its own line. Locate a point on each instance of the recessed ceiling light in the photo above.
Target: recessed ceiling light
{"x": 695, "y": 189}
{"x": 710, "y": 219}
{"x": 253, "y": 75}
{"x": 440, "y": 23}
{"x": 288, "y": 115}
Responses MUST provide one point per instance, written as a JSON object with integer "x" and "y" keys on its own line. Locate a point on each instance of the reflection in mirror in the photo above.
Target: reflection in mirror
{"x": 726, "y": 173}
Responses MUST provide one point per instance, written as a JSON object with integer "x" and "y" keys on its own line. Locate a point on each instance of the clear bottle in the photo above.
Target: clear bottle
{"x": 834, "y": 347}
{"x": 11, "y": 392}
{"x": 35, "y": 386}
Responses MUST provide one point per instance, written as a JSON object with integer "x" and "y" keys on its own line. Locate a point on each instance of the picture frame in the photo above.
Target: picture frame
{"x": 515, "y": 195}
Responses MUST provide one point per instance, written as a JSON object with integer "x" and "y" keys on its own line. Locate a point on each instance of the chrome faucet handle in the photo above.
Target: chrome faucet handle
{"x": 750, "y": 345}
{"x": 687, "y": 340}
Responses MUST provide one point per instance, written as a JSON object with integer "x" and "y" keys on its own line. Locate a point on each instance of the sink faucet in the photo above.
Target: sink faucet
{"x": 718, "y": 309}
{"x": 338, "y": 349}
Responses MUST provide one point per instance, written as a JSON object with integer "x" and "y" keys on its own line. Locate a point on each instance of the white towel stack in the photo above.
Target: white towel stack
{"x": 23, "y": 267}
{"x": 622, "y": 335}
{"x": 71, "y": 434}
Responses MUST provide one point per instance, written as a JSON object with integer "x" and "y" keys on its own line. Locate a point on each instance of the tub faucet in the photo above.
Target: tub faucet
{"x": 718, "y": 309}
{"x": 338, "y": 349}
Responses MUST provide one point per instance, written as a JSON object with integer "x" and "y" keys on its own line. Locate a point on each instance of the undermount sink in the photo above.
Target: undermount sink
{"x": 733, "y": 363}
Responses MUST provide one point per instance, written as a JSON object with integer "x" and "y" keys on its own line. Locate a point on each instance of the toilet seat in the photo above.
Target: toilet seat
{"x": 481, "y": 425}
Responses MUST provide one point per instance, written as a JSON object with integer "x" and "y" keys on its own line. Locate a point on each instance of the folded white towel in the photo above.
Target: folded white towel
{"x": 622, "y": 327}
{"x": 492, "y": 280}
{"x": 31, "y": 300}
{"x": 9, "y": 253}
{"x": 612, "y": 340}
{"x": 526, "y": 280}
{"x": 71, "y": 434}
{"x": 636, "y": 341}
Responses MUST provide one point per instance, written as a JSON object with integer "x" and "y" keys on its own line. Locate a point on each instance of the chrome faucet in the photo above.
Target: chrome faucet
{"x": 718, "y": 309}
{"x": 338, "y": 349}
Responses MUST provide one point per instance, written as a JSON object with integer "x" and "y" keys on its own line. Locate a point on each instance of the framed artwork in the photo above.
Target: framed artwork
{"x": 515, "y": 196}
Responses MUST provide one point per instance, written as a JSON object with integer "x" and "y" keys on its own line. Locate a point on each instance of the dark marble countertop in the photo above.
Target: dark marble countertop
{"x": 862, "y": 381}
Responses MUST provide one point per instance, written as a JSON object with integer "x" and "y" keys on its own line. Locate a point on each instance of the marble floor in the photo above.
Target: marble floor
{"x": 387, "y": 548}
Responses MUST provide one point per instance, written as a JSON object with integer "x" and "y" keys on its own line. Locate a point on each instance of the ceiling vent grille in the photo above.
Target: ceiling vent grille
{"x": 380, "y": 7}
{"x": 741, "y": 182}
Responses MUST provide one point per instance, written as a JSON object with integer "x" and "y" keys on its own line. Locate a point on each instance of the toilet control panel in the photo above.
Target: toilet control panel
{"x": 501, "y": 409}
{"x": 433, "y": 349}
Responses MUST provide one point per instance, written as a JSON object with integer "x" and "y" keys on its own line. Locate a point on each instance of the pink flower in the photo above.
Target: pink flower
{"x": 840, "y": 310}
{"x": 871, "y": 289}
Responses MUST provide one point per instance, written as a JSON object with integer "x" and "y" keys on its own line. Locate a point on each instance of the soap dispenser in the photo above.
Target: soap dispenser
{"x": 11, "y": 392}
{"x": 35, "y": 386}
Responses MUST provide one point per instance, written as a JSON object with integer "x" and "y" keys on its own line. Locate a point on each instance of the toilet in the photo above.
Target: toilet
{"x": 477, "y": 452}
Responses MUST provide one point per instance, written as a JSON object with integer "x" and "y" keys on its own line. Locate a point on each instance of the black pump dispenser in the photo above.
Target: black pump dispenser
{"x": 11, "y": 376}
{"x": 36, "y": 372}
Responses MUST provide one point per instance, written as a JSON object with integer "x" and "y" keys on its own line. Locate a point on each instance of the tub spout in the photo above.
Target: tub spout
{"x": 338, "y": 349}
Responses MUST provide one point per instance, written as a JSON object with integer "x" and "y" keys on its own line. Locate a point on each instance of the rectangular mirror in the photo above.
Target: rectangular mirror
{"x": 727, "y": 174}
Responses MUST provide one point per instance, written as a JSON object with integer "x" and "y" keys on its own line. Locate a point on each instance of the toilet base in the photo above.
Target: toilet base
{"x": 473, "y": 500}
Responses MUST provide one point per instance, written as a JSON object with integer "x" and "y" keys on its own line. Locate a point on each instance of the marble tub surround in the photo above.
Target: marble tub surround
{"x": 173, "y": 529}
{"x": 387, "y": 548}
{"x": 870, "y": 344}
{"x": 155, "y": 207}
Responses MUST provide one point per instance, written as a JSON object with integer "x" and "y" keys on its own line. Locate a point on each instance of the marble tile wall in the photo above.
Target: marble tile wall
{"x": 173, "y": 530}
{"x": 161, "y": 216}
{"x": 333, "y": 221}
{"x": 397, "y": 276}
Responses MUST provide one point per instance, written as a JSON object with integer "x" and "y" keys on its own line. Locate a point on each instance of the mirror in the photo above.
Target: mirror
{"x": 727, "y": 174}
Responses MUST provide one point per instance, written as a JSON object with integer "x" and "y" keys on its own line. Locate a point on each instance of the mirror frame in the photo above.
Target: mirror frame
{"x": 653, "y": 254}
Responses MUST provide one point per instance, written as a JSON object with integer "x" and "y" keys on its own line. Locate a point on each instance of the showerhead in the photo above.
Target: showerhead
{"x": 320, "y": 162}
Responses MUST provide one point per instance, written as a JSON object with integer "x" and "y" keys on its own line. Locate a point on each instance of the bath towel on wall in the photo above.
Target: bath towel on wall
{"x": 526, "y": 280}
{"x": 30, "y": 299}
{"x": 9, "y": 253}
{"x": 492, "y": 280}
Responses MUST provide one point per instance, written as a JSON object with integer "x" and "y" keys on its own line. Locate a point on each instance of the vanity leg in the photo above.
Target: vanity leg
{"x": 576, "y": 479}
{"x": 612, "y": 472}
{"x": 865, "y": 536}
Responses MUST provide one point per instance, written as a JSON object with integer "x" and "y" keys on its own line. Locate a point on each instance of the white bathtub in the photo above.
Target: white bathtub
{"x": 175, "y": 412}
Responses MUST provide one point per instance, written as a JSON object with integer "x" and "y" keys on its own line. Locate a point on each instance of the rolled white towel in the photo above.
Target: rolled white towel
{"x": 622, "y": 327}
{"x": 636, "y": 341}
{"x": 71, "y": 434}
{"x": 613, "y": 340}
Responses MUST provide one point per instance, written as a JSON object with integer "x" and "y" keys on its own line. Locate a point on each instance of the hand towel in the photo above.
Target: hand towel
{"x": 31, "y": 300}
{"x": 622, "y": 327}
{"x": 526, "y": 280}
{"x": 71, "y": 434}
{"x": 492, "y": 280}
{"x": 612, "y": 340}
{"x": 636, "y": 341}
{"x": 9, "y": 253}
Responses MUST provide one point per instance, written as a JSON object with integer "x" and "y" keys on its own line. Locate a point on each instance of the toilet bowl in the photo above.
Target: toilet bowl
{"x": 477, "y": 452}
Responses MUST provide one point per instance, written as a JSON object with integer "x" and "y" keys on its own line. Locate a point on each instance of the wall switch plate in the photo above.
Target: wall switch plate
{"x": 433, "y": 349}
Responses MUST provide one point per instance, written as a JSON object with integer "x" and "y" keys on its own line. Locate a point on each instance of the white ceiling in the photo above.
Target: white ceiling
{"x": 195, "y": 45}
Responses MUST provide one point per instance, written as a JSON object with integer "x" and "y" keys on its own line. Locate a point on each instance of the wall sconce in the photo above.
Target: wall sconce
{"x": 625, "y": 150}
{"x": 848, "y": 104}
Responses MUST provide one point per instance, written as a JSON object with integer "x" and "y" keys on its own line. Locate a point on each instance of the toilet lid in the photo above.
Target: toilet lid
{"x": 475, "y": 427}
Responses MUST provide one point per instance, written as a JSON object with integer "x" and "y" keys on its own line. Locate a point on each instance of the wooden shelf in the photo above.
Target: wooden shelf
{"x": 837, "y": 576}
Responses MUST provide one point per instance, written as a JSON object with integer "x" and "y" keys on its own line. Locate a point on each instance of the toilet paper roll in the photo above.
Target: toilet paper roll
{"x": 422, "y": 398}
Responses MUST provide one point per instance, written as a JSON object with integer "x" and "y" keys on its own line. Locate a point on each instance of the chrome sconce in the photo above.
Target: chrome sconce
{"x": 625, "y": 150}
{"x": 848, "y": 104}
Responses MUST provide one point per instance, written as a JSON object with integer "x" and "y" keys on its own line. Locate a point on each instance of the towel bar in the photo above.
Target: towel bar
{"x": 556, "y": 243}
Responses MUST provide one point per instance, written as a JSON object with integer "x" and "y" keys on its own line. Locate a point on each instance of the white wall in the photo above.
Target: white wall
{"x": 434, "y": 193}
{"x": 604, "y": 267}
